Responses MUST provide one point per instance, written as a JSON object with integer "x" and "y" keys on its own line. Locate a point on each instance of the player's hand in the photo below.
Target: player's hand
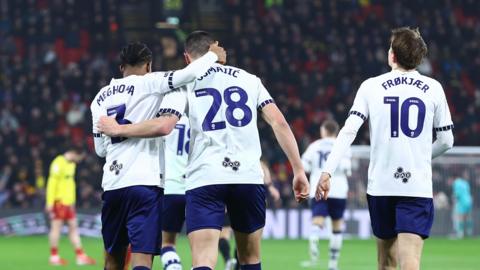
{"x": 108, "y": 126}
{"x": 220, "y": 52}
{"x": 301, "y": 187}
{"x": 274, "y": 193}
{"x": 49, "y": 211}
{"x": 323, "y": 187}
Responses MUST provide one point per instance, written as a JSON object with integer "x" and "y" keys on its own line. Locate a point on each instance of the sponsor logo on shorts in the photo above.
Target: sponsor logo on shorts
{"x": 402, "y": 174}
{"x": 227, "y": 162}
{"x": 116, "y": 167}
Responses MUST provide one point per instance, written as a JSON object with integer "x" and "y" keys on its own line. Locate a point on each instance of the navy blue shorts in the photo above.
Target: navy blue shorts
{"x": 245, "y": 205}
{"x": 331, "y": 207}
{"x": 391, "y": 215}
{"x": 132, "y": 215}
{"x": 173, "y": 214}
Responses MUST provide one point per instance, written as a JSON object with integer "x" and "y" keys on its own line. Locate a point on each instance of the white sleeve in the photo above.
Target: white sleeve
{"x": 360, "y": 104}
{"x": 174, "y": 102}
{"x": 442, "y": 120}
{"x": 98, "y": 138}
{"x": 345, "y": 138}
{"x": 307, "y": 160}
{"x": 264, "y": 98}
{"x": 163, "y": 82}
{"x": 443, "y": 142}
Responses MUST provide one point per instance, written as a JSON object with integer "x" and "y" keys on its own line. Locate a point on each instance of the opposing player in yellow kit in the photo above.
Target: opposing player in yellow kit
{"x": 60, "y": 206}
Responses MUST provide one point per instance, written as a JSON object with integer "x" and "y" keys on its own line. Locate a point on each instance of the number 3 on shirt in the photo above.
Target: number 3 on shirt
{"x": 405, "y": 114}
{"x": 119, "y": 112}
{"x": 208, "y": 124}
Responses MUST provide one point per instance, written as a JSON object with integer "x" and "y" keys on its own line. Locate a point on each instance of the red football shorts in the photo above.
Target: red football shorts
{"x": 63, "y": 212}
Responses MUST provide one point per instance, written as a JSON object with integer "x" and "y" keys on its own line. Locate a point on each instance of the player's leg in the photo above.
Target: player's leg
{"x": 248, "y": 219}
{"x": 459, "y": 220}
{"x": 336, "y": 208}
{"x": 387, "y": 254}
{"x": 224, "y": 245}
{"x": 144, "y": 224}
{"x": 54, "y": 237}
{"x": 205, "y": 210}
{"x": 414, "y": 219}
{"x": 115, "y": 259}
{"x": 469, "y": 221}
{"x": 409, "y": 251}
{"x": 248, "y": 249}
{"x": 74, "y": 236}
{"x": 173, "y": 217}
{"x": 383, "y": 222}
{"x": 319, "y": 212}
{"x": 114, "y": 231}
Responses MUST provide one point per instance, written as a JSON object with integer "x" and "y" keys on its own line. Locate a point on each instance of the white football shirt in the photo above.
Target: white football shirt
{"x": 403, "y": 109}
{"x": 314, "y": 159}
{"x": 136, "y": 161}
{"x": 176, "y": 157}
{"x": 224, "y": 144}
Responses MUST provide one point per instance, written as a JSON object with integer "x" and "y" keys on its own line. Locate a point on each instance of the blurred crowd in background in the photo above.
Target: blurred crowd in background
{"x": 311, "y": 55}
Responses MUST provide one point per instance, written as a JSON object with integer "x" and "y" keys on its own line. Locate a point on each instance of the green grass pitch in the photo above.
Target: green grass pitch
{"x": 25, "y": 253}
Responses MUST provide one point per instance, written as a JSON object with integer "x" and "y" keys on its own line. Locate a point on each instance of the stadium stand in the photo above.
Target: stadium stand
{"x": 312, "y": 56}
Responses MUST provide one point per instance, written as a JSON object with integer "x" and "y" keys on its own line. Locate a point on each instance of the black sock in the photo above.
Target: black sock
{"x": 224, "y": 247}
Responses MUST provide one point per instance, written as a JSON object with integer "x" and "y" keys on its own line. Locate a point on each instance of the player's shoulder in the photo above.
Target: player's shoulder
{"x": 58, "y": 160}
{"x": 434, "y": 85}
{"x": 240, "y": 73}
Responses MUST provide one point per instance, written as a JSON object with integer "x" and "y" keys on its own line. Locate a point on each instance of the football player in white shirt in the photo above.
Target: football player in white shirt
{"x": 314, "y": 160}
{"x": 173, "y": 213}
{"x": 132, "y": 181}
{"x": 224, "y": 160}
{"x": 403, "y": 107}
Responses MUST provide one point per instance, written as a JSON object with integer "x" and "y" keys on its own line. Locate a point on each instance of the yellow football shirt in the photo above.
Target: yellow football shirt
{"x": 61, "y": 182}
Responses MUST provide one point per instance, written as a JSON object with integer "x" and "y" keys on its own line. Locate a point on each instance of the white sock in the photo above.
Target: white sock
{"x": 313, "y": 241}
{"x": 335, "y": 245}
{"x": 171, "y": 261}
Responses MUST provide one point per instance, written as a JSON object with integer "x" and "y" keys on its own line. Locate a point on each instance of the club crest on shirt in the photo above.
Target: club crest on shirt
{"x": 116, "y": 167}
{"x": 227, "y": 162}
{"x": 402, "y": 174}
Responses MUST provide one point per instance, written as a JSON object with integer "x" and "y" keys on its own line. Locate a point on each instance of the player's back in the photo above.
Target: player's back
{"x": 225, "y": 144}
{"x": 314, "y": 160}
{"x": 403, "y": 109}
{"x": 130, "y": 161}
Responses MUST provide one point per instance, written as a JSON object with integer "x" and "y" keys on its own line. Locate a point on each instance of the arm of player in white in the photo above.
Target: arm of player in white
{"x": 171, "y": 109}
{"x": 442, "y": 121}
{"x": 165, "y": 82}
{"x": 284, "y": 135}
{"x": 98, "y": 138}
{"x": 443, "y": 143}
{"x": 345, "y": 138}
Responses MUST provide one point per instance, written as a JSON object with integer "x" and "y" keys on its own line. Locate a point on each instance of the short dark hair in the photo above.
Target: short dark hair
{"x": 408, "y": 47}
{"x": 198, "y": 43}
{"x": 331, "y": 126}
{"x": 135, "y": 54}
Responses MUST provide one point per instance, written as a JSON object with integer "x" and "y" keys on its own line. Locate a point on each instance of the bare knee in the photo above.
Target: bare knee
{"x": 318, "y": 221}
{"x": 204, "y": 246}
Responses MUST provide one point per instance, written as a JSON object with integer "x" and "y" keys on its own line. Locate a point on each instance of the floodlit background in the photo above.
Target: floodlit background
{"x": 311, "y": 55}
